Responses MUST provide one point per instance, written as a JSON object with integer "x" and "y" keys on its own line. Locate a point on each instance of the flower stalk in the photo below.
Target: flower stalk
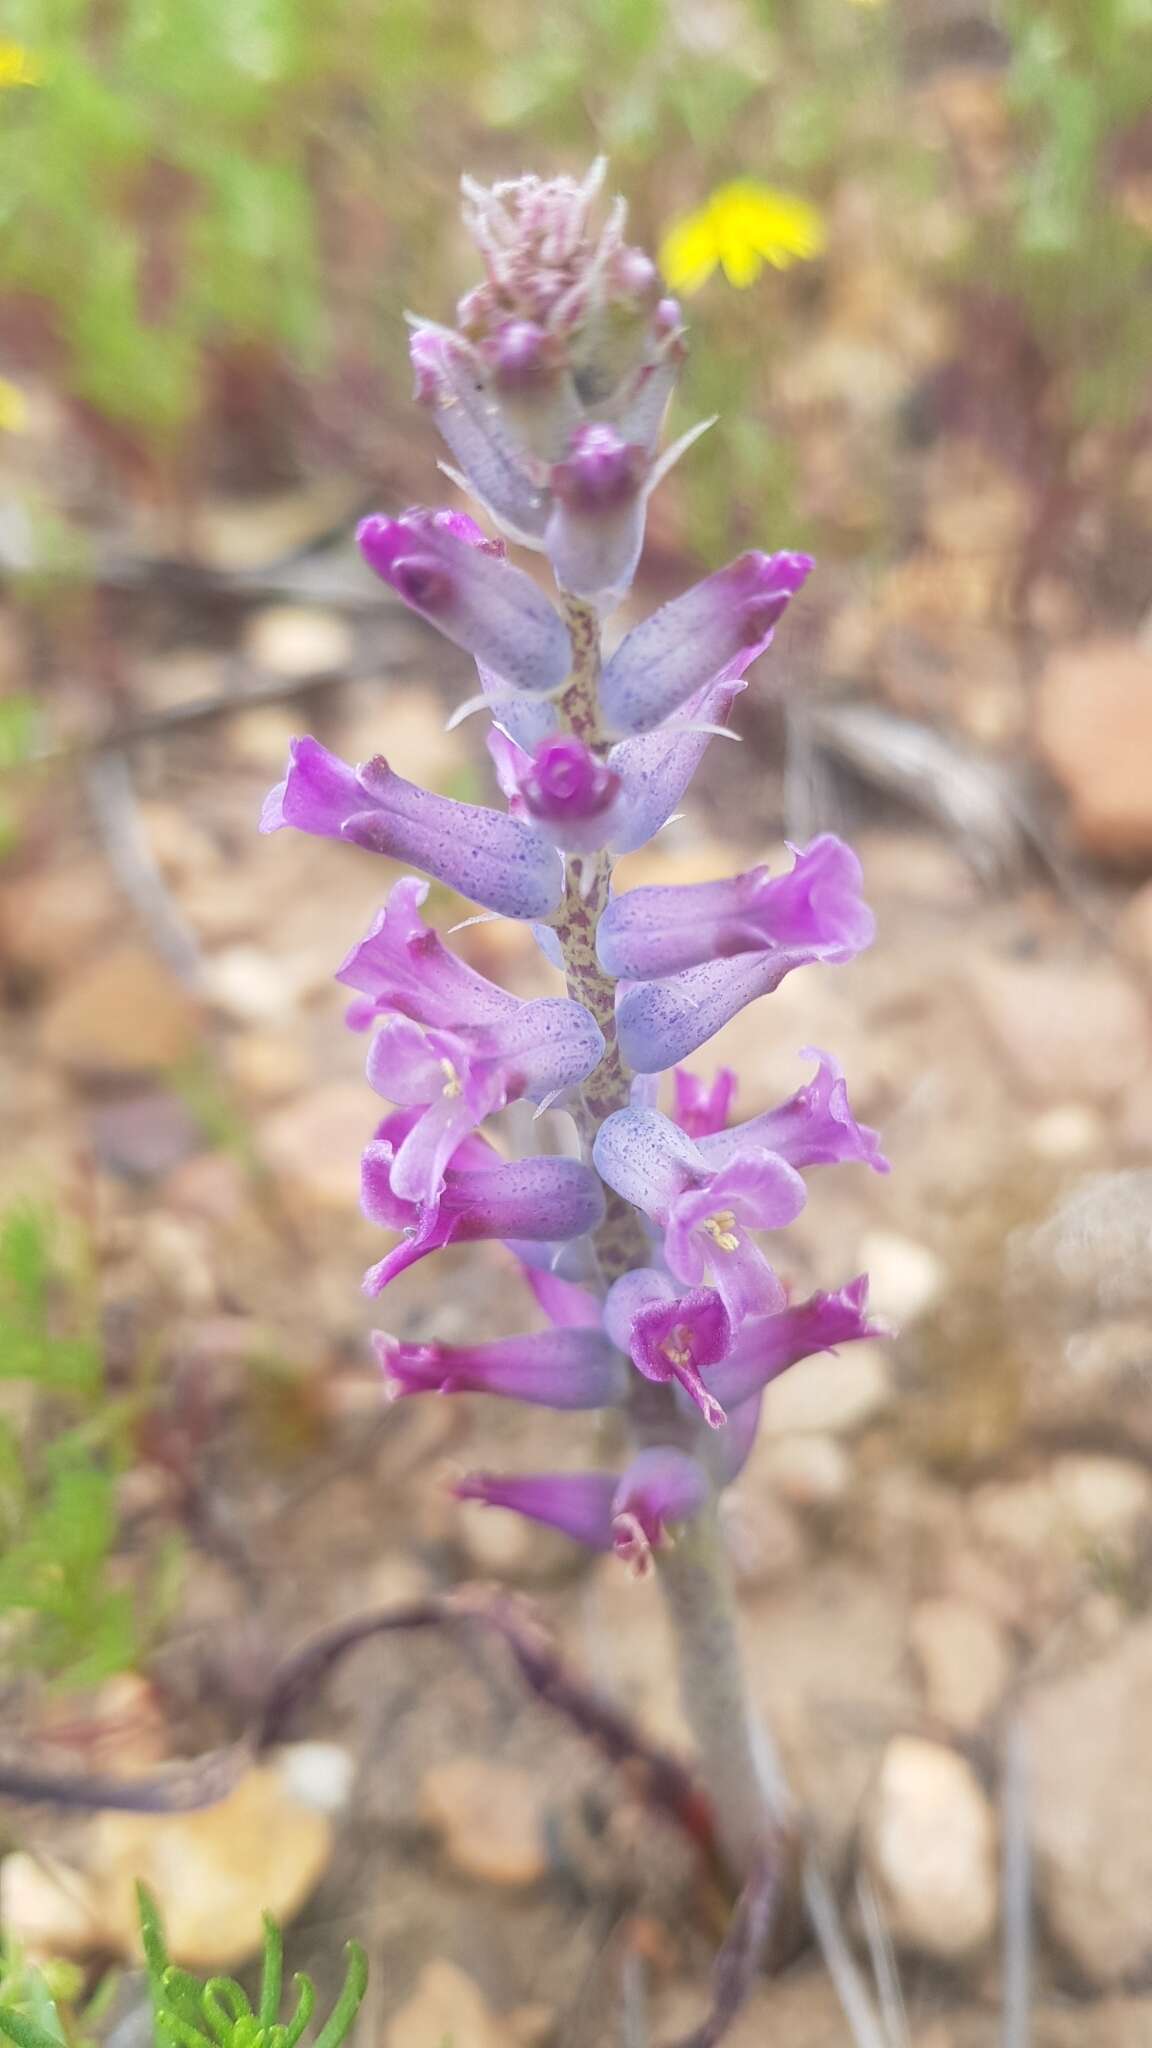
{"x": 644, "y": 1253}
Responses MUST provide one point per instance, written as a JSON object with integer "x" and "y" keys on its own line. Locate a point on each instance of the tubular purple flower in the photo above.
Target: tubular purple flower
{"x": 566, "y": 1306}
{"x": 633, "y": 1515}
{"x": 540, "y": 1050}
{"x": 531, "y": 382}
{"x": 449, "y": 381}
{"x": 596, "y": 528}
{"x": 767, "y": 1346}
{"x": 648, "y": 934}
{"x": 705, "y": 1214}
{"x": 472, "y": 595}
{"x": 660, "y": 1023}
{"x": 716, "y": 630}
{"x": 564, "y": 1369}
{"x": 702, "y": 1107}
{"x": 496, "y": 860}
{"x": 670, "y": 1336}
{"x": 403, "y": 964}
{"x": 657, "y": 767}
{"x": 532, "y": 1199}
{"x": 815, "y": 1127}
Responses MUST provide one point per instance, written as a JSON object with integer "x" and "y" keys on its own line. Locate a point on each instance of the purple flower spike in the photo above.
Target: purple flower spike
{"x": 648, "y": 934}
{"x": 633, "y": 1515}
{"x": 702, "y": 1107}
{"x": 705, "y": 1214}
{"x": 496, "y": 860}
{"x": 475, "y": 597}
{"x": 533, "y": 1199}
{"x": 767, "y": 1345}
{"x": 660, "y": 1023}
{"x": 450, "y": 382}
{"x": 815, "y": 1127}
{"x": 670, "y": 1336}
{"x": 716, "y": 630}
{"x": 566, "y": 1369}
{"x": 596, "y": 530}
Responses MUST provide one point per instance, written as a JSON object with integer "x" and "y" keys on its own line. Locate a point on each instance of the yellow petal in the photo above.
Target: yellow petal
{"x": 18, "y": 66}
{"x": 689, "y": 252}
{"x": 13, "y": 408}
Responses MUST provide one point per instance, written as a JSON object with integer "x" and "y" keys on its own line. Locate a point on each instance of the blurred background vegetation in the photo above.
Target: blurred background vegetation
{"x": 213, "y": 215}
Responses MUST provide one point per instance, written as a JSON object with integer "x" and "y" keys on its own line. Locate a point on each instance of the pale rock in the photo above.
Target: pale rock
{"x": 1108, "y": 1498}
{"x": 260, "y": 737}
{"x": 250, "y": 532}
{"x": 446, "y": 2009}
{"x": 1083, "y": 1502}
{"x": 1094, "y": 730}
{"x": 215, "y": 1872}
{"x": 810, "y": 1471}
{"x": 318, "y": 1774}
{"x": 1066, "y": 1031}
{"x": 185, "y": 675}
{"x": 905, "y": 1279}
{"x": 1090, "y": 1805}
{"x": 489, "y": 1818}
{"x": 121, "y": 1013}
{"x": 250, "y": 986}
{"x": 315, "y": 1145}
{"x": 296, "y": 640}
{"x": 268, "y": 1065}
{"x": 834, "y": 1394}
{"x": 407, "y": 722}
{"x": 46, "y": 1909}
{"x": 1070, "y": 1130}
{"x": 929, "y": 1842}
{"x": 964, "y": 1658}
{"x": 182, "y": 846}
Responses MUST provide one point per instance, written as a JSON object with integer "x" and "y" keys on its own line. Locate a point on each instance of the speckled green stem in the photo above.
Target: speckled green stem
{"x": 736, "y": 1759}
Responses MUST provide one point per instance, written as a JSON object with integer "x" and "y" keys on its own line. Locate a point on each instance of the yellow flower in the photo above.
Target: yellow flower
{"x": 13, "y": 408}
{"x": 741, "y": 227}
{"x": 18, "y": 66}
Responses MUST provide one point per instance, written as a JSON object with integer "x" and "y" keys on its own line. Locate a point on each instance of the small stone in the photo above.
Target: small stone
{"x": 489, "y": 1818}
{"x": 214, "y": 1873}
{"x": 1082, "y": 1502}
{"x": 1090, "y": 1806}
{"x": 1093, "y": 1254}
{"x": 833, "y": 1394}
{"x": 811, "y": 1471}
{"x": 318, "y": 1774}
{"x": 249, "y": 986}
{"x": 123, "y": 1013}
{"x": 1071, "y": 1130}
{"x": 1066, "y": 1031}
{"x": 964, "y": 1660}
{"x": 260, "y": 738}
{"x": 1094, "y": 729}
{"x": 143, "y": 1136}
{"x": 46, "y": 1909}
{"x": 929, "y": 1841}
{"x": 447, "y": 2009}
{"x": 905, "y": 1279}
{"x": 502, "y": 1545}
{"x": 296, "y": 640}
{"x": 315, "y": 1144}
{"x": 268, "y": 1065}
{"x": 1108, "y": 1498}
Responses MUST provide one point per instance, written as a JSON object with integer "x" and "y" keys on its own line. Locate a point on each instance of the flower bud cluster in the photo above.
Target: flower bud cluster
{"x": 550, "y": 393}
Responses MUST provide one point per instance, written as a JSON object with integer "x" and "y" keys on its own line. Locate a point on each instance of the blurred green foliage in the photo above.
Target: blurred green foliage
{"x": 1073, "y": 241}
{"x": 190, "y": 191}
{"x": 38, "y": 2009}
{"x": 66, "y": 1611}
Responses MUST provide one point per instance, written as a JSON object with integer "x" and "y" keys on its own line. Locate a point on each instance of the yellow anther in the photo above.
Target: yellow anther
{"x": 722, "y": 1230}
{"x": 452, "y": 1083}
